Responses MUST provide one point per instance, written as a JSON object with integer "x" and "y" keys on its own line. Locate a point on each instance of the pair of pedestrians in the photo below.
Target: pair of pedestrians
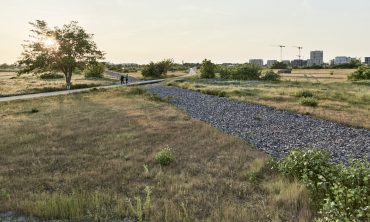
{"x": 124, "y": 79}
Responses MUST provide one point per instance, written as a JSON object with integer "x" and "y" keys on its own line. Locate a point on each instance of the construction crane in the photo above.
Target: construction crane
{"x": 281, "y": 51}
{"x": 299, "y": 54}
{"x": 299, "y": 51}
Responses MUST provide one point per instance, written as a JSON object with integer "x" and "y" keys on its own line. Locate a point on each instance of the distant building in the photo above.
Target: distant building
{"x": 299, "y": 63}
{"x": 286, "y": 62}
{"x": 367, "y": 60}
{"x": 316, "y": 58}
{"x": 256, "y": 62}
{"x": 340, "y": 60}
{"x": 271, "y": 62}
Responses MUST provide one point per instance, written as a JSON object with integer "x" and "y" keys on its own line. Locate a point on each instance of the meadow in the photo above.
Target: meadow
{"x": 11, "y": 84}
{"x": 332, "y": 99}
{"x": 318, "y": 75}
{"x": 92, "y": 156}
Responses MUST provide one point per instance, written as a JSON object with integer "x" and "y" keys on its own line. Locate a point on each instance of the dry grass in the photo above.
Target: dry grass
{"x": 11, "y": 84}
{"x": 319, "y": 75}
{"x": 343, "y": 102}
{"x": 83, "y": 155}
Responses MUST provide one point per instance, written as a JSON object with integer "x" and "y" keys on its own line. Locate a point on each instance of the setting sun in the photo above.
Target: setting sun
{"x": 50, "y": 42}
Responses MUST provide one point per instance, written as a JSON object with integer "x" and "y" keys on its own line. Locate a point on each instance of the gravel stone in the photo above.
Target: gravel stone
{"x": 274, "y": 131}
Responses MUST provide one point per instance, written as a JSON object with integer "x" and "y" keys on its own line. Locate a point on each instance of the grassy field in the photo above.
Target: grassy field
{"x": 319, "y": 75}
{"x": 92, "y": 156}
{"x": 11, "y": 84}
{"x": 343, "y": 102}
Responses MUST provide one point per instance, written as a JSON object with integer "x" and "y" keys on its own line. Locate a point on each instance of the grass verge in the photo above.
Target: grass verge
{"x": 92, "y": 156}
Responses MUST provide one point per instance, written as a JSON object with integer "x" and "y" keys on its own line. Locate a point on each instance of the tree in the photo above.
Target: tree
{"x": 94, "y": 70}
{"x": 207, "y": 70}
{"x": 59, "y": 49}
{"x": 279, "y": 65}
{"x": 157, "y": 70}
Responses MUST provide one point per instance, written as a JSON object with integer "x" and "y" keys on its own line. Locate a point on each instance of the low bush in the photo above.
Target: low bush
{"x": 309, "y": 101}
{"x": 165, "y": 156}
{"x": 247, "y": 72}
{"x": 304, "y": 93}
{"x": 157, "y": 70}
{"x": 51, "y": 75}
{"x": 271, "y": 76}
{"x": 214, "y": 92}
{"x": 94, "y": 70}
{"x": 339, "y": 192}
{"x": 362, "y": 73}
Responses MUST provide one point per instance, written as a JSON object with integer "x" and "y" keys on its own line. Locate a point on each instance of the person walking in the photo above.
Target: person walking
{"x": 122, "y": 78}
{"x": 126, "y": 79}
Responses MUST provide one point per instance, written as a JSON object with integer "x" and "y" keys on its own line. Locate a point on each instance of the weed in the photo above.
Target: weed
{"x": 342, "y": 193}
{"x": 165, "y": 156}
{"x": 304, "y": 93}
{"x": 135, "y": 91}
{"x": 309, "y": 101}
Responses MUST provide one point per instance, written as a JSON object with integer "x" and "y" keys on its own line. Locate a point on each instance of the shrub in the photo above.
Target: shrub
{"x": 279, "y": 65}
{"x": 207, "y": 71}
{"x": 341, "y": 193}
{"x": 214, "y": 92}
{"x": 271, "y": 76}
{"x": 309, "y": 101}
{"x": 165, "y": 156}
{"x": 157, "y": 70}
{"x": 247, "y": 72}
{"x": 94, "y": 70}
{"x": 362, "y": 73}
{"x": 304, "y": 93}
{"x": 51, "y": 75}
{"x": 225, "y": 73}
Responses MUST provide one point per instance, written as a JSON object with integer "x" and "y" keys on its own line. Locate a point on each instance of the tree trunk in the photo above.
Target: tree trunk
{"x": 68, "y": 80}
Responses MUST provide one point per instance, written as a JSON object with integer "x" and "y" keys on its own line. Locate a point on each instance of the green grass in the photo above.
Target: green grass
{"x": 91, "y": 156}
{"x": 343, "y": 102}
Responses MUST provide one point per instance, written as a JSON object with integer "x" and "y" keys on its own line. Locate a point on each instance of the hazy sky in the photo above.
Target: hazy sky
{"x": 191, "y": 30}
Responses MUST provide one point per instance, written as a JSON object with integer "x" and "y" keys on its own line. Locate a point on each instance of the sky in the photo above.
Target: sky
{"x": 141, "y": 31}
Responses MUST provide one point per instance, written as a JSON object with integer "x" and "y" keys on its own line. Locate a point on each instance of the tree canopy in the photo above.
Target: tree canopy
{"x": 58, "y": 49}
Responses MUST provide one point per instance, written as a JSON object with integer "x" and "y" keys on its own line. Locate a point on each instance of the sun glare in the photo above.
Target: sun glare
{"x": 49, "y": 42}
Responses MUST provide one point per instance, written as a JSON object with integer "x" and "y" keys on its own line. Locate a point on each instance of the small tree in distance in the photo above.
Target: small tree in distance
{"x": 207, "y": 71}
{"x": 157, "y": 70}
{"x": 59, "y": 49}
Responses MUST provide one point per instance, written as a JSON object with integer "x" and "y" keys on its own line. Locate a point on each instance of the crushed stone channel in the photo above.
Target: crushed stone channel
{"x": 273, "y": 131}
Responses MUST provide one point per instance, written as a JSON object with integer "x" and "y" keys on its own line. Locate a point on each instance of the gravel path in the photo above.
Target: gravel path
{"x": 273, "y": 131}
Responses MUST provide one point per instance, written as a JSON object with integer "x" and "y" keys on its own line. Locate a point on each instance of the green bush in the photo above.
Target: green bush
{"x": 165, "y": 156}
{"x": 247, "y": 72}
{"x": 214, "y": 92}
{"x": 279, "y": 65}
{"x": 271, "y": 76}
{"x": 225, "y": 73}
{"x": 339, "y": 192}
{"x": 51, "y": 75}
{"x": 207, "y": 71}
{"x": 94, "y": 70}
{"x": 157, "y": 70}
{"x": 304, "y": 93}
{"x": 362, "y": 73}
{"x": 309, "y": 101}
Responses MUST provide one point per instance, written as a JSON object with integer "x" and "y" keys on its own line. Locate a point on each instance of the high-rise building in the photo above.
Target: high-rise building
{"x": 340, "y": 60}
{"x": 299, "y": 63}
{"x": 271, "y": 62}
{"x": 256, "y": 62}
{"x": 316, "y": 58}
{"x": 367, "y": 60}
